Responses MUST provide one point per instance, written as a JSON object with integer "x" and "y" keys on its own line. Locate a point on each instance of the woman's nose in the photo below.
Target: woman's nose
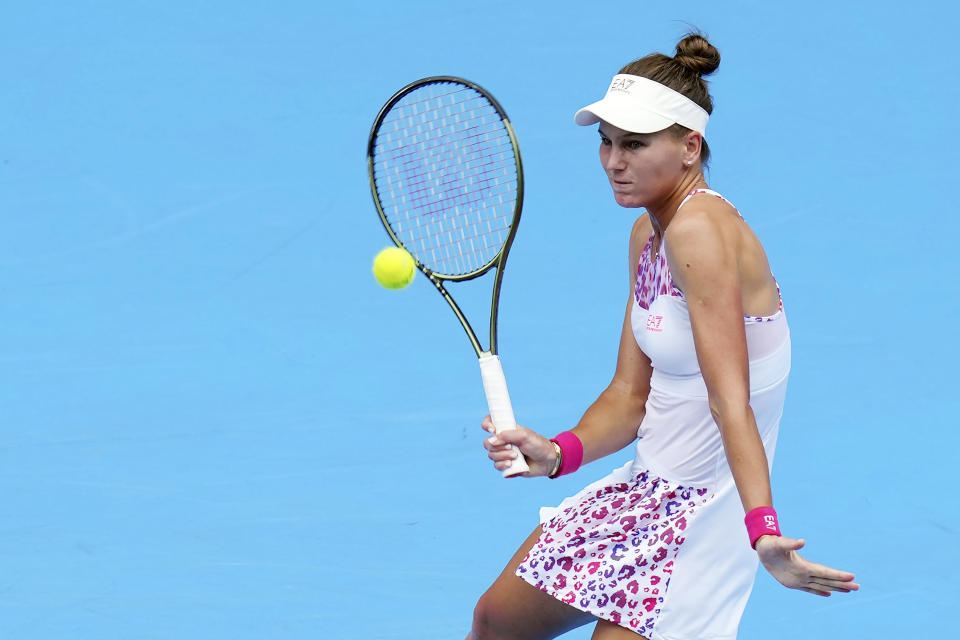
{"x": 613, "y": 160}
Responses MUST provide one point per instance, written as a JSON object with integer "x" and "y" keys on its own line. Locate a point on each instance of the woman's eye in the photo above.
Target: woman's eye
{"x": 634, "y": 144}
{"x": 604, "y": 141}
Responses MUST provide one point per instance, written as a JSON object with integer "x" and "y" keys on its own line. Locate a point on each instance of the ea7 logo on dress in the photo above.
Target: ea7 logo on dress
{"x": 653, "y": 322}
{"x": 621, "y": 84}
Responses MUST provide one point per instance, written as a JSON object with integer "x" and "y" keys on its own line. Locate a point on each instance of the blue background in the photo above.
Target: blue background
{"x": 215, "y": 424}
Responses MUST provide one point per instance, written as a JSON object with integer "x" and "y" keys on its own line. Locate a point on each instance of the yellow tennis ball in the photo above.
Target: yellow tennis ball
{"x": 394, "y": 268}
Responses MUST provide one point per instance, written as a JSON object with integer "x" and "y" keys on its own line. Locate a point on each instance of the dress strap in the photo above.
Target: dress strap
{"x": 709, "y": 191}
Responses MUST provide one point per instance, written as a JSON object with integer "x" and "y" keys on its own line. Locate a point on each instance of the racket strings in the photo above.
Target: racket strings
{"x": 486, "y": 177}
{"x": 446, "y": 176}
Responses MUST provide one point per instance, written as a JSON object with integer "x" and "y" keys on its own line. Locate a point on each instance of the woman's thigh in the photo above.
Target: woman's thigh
{"x": 512, "y": 608}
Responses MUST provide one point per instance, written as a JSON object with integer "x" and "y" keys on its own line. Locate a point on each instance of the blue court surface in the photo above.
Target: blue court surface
{"x": 216, "y": 425}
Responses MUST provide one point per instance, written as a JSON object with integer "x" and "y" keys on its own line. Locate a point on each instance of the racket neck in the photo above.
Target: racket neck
{"x": 471, "y": 334}
{"x": 495, "y": 301}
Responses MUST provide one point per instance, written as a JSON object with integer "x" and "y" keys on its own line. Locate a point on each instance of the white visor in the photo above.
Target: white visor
{"x": 640, "y": 105}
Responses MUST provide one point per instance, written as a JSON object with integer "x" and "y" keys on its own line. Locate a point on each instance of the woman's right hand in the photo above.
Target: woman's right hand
{"x": 539, "y": 452}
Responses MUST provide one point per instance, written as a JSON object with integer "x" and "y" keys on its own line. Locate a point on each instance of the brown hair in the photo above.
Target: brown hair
{"x": 695, "y": 57}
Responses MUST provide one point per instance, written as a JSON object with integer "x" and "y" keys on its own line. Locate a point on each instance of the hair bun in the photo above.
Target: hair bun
{"x": 695, "y": 53}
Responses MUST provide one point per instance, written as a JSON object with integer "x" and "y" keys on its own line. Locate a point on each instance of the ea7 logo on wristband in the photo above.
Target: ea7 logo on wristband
{"x": 761, "y": 521}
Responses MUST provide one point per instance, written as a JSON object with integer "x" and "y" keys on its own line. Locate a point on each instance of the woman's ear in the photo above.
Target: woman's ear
{"x": 692, "y": 143}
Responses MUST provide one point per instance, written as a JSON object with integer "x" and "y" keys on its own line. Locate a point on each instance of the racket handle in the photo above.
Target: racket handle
{"x": 501, "y": 411}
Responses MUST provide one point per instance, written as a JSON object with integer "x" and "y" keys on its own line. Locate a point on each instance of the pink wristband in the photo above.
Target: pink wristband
{"x": 761, "y": 521}
{"x": 571, "y": 453}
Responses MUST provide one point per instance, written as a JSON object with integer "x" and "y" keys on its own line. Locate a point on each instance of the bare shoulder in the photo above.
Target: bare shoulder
{"x": 703, "y": 241}
{"x": 712, "y": 249}
{"x": 705, "y": 223}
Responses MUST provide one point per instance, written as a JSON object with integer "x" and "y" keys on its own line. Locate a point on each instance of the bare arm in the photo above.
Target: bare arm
{"x": 704, "y": 264}
{"x": 611, "y": 422}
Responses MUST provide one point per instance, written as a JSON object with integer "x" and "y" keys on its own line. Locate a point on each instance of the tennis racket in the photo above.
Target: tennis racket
{"x": 447, "y": 181}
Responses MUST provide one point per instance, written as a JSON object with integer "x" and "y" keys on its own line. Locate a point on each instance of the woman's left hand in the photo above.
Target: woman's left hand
{"x": 779, "y": 556}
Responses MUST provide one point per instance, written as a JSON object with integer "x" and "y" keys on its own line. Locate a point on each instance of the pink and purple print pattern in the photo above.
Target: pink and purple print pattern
{"x": 612, "y": 554}
{"x": 653, "y": 278}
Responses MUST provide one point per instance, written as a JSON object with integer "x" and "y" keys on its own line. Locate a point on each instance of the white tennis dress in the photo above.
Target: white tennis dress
{"x": 659, "y": 545}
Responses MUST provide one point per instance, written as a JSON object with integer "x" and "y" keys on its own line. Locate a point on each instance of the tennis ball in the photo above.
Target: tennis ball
{"x": 394, "y": 268}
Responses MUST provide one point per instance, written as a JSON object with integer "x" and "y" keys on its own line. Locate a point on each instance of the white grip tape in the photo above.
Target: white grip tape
{"x": 498, "y": 401}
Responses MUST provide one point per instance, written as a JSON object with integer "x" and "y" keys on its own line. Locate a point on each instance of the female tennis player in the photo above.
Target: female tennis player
{"x": 667, "y": 546}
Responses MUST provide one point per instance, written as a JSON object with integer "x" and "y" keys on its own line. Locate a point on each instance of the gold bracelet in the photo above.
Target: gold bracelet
{"x": 558, "y": 462}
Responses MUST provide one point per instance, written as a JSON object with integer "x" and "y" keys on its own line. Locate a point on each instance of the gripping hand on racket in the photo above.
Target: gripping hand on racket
{"x": 779, "y": 556}
{"x": 503, "y": 448}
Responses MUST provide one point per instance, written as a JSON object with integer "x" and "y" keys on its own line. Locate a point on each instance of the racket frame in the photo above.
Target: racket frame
{"x": 495, "y": 386}
{"x": 498, "y": 261}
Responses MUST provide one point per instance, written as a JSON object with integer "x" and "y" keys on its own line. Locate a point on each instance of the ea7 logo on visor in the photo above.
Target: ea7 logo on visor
{"x": 621, "y": 84}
